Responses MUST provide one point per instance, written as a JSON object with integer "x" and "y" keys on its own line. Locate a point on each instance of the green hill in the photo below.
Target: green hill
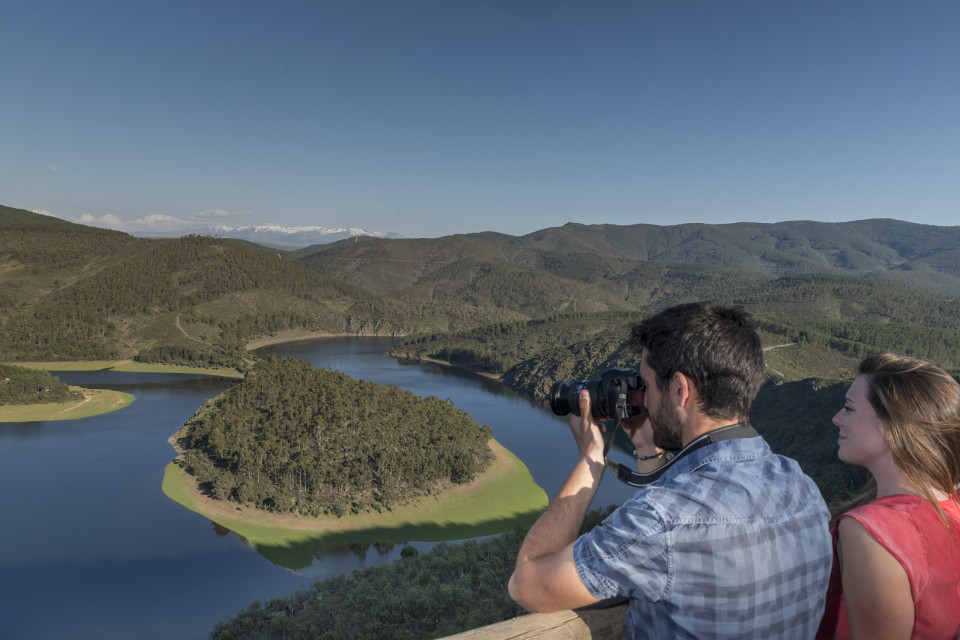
{"x": 71, "y": 292}
{"x": 774, "y": 248}
{"x": 293, "y": 438}
{"x": 914, "y": 255}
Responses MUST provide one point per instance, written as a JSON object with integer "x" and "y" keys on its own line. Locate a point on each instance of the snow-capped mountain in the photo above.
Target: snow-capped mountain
{"x": 279, "y": 235}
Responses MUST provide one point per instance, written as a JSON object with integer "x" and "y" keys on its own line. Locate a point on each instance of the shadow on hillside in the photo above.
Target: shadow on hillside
{"x": 795, "y": 419}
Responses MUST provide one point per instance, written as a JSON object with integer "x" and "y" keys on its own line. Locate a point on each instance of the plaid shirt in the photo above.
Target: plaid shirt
{"x": 732, "y": 542}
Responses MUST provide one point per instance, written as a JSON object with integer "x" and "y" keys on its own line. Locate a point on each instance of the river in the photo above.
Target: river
{"x": 90, "y": 547}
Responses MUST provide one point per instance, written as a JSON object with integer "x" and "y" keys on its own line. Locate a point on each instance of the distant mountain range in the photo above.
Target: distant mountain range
{"x": 70, "y": 291}
{"x": 593, "y": 260}
{"x": 278, "y": 235}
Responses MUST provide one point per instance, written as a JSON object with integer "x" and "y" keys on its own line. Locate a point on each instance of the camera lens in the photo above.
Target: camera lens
{"x": 564, "y": 399}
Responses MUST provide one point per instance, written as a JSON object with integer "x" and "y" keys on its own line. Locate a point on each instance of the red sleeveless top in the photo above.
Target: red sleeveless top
{"x": 911, "y": 530}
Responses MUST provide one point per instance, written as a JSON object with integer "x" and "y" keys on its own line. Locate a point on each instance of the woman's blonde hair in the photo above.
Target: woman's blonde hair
{"x": 920, "y": 405}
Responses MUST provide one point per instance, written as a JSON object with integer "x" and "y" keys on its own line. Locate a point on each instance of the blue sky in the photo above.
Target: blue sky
{"x": 427, "y": 118}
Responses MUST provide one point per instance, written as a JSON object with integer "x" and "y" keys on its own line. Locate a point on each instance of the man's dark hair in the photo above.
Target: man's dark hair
{"x": 714, "y": 346}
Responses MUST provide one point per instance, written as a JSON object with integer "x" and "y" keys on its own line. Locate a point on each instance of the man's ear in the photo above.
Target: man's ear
{"x": 682, "y": 390}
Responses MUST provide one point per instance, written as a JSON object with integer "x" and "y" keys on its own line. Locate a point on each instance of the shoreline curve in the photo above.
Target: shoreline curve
{"x": 501, "y": 498}
{"x": 95, "y": 402}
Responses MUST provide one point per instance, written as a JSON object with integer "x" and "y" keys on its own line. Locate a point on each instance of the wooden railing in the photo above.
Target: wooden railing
{"x": 591, "y": 623}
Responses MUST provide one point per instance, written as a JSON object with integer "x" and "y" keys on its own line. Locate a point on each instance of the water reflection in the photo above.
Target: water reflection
{"x": 486, "y": 384}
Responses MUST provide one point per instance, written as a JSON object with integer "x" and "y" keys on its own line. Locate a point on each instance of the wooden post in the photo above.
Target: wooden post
{"x": 591, "y": 623}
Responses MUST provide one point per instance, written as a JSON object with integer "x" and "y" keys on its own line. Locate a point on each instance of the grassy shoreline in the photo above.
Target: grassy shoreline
{"x": 503, "y": 497}
{"x": 95, "y": 402}
{"x": 297, "y": 335}
{"x": 128, "y": 366}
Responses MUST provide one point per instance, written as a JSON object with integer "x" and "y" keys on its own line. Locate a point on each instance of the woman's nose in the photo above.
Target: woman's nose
{"x": 836, "y": 418}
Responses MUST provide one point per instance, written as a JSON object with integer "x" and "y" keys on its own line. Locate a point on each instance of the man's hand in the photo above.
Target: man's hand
{"x": 587, "y": 433}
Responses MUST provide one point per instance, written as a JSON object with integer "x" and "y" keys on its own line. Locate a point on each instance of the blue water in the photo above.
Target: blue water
{"x": 90, "y": 547}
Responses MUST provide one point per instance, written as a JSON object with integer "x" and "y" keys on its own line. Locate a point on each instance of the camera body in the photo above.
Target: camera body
{"x": 611, "y": 395}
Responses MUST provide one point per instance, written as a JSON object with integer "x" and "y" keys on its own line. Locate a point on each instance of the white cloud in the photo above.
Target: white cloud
{"x": 108, "y": 220}
{"x": 44, "y": 212}
{"x": 52, "y": 167}
{"x": 161, "y": 222}
{"x": 155, "y": 222}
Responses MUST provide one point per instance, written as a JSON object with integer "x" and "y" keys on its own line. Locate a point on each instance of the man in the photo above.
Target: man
{"x": 731, "y": 541}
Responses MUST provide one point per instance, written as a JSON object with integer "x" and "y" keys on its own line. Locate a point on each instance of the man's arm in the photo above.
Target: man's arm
{"x": 546, "y": 578}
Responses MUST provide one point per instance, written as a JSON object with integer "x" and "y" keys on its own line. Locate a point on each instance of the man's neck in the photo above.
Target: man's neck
{"x": 701, "y": 424}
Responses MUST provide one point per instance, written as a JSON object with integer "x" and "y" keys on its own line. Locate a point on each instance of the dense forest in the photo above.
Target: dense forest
{"x": 315, "y": 441}
{"x": 70, "y": 292}
{"x": 20, "y": 385}
{"x": 530, "y": 355}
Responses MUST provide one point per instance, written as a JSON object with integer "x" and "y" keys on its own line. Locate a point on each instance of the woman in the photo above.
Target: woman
{"x": 896, "y": 567}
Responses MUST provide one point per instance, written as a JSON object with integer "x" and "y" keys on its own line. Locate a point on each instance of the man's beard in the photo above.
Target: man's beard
{"x": 667, "y": 426}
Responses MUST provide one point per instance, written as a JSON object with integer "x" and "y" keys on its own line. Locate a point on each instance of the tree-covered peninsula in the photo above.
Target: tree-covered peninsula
{"x": 21, "y": 385}
{"x": 291, "y": 438}
{"x": 28, "y": 394}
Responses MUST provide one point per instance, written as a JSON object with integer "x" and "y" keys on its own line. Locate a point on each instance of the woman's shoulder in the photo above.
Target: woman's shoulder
{"x": 903, "y": 505}
{"x": 899, "y": 517}
{"x": 893, "y": 507}
{"x": 906, "y": 523}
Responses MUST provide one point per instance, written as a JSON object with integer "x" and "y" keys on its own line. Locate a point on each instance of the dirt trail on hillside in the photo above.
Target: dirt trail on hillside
{"x": 180, "y": 328}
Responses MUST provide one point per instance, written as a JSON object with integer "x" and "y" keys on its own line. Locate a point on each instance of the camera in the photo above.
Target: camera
{"x": 611, "y": 395}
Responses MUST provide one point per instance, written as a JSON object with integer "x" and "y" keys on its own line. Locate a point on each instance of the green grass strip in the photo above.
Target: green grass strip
{"x": 503, "y": 497}
{"x": 129, "y": 366}
{"x": 95, "y": 402}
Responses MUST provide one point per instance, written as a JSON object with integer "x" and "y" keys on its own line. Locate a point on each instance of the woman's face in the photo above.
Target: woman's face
{"x": 863, "y": 435}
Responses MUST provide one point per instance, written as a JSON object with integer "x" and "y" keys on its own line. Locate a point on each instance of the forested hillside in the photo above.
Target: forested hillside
{"x": 72, "y": 292}
{"x": 529, "y": 355}
{"x": 782, "y": 248}
{"x": 913, "y": 255}
{"x": 294, "y": 438}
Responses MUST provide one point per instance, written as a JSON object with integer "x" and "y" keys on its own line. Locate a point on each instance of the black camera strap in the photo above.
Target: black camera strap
{"x": 627, "y": 475}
